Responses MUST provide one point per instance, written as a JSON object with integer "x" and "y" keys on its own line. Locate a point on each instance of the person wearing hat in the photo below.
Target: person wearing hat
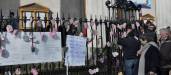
{"x": 149, "y": 57}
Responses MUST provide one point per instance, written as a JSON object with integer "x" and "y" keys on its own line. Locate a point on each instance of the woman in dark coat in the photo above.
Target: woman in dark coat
{"x": 150, "y": 56}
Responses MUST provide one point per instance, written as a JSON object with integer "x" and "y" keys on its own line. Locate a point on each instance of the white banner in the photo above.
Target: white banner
{"x": 20, "y": 49}
{"x": 76, "y": 51}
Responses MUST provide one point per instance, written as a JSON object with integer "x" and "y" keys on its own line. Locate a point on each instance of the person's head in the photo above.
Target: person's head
{"x": 130, "y": 34}
{"x": 147, "y": 37}
{"x": 148, "y": 22}
{"x": 165, "y": 34}
{"x": 169, "y": 28}
{"x": 11, "y": 14}
{"x": 152, "y": 27}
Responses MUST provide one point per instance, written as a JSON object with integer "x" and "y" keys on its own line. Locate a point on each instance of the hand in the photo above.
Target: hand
{"x": 81, "y": 34}
{"x": 139, "y": 52}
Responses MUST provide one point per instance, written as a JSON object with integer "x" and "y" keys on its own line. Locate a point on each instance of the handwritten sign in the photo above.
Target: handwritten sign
{"x": 76, "y": 51}
{"x": 17, "y": 51}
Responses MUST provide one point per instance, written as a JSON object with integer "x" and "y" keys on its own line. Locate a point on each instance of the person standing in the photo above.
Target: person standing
{"x": 150, "y": 56}
{"x": 165, "y": 50}
{"x": 130, "y": 45}
{"x": 13, "y": 21}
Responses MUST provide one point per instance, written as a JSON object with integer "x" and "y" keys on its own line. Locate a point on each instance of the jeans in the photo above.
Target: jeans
{"x": 131, "y": 66}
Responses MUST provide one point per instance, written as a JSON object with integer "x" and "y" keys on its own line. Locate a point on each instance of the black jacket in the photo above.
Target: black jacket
{"x": 152, "y": 60}
{"x": 165, "y": 50}
{"x": 130, "y": 47}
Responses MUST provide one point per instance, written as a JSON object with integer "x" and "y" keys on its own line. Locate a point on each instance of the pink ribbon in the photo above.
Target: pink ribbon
{"x": 34, "y": 71}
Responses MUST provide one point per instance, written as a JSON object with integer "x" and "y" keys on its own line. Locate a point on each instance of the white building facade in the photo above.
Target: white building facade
{"x": 75, "y": 8}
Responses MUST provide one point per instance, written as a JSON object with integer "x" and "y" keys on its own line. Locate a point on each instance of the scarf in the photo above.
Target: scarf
{"x": 141, "y": 70}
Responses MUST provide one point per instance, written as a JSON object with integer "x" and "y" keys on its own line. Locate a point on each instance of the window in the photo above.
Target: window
{"x": 32, "y": 10}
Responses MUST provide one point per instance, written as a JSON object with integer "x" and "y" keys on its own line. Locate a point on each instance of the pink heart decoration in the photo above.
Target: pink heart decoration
{"x": 53, "y": 35}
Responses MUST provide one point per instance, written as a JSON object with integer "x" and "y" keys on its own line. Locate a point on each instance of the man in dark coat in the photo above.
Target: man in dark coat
{"x": 130, "y": 46}
{"x": 165, "y": 50}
